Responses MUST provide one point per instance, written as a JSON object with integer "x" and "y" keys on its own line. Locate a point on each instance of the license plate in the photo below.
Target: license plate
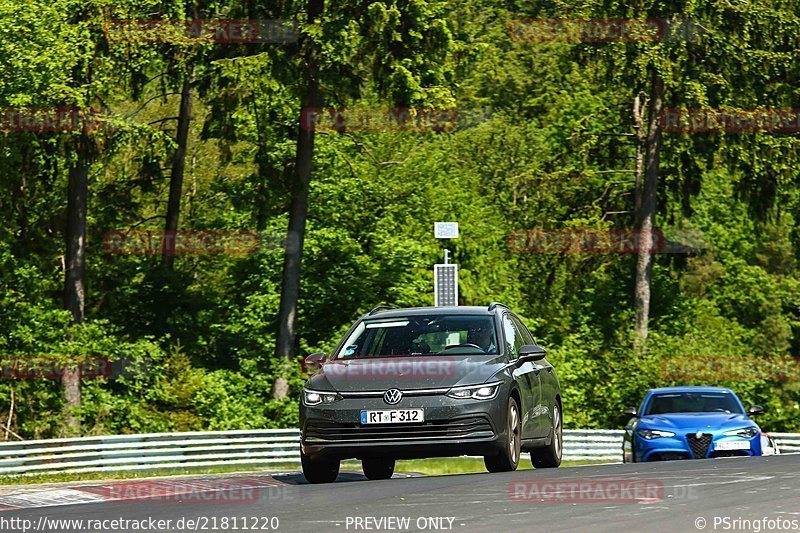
{"x": 393, "y": 416}
{"x": 732, "y": 445}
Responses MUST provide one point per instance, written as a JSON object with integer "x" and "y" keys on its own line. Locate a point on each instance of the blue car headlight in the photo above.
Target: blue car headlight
{"x": 650, "y": 434}
{"x": 745, "y": 433}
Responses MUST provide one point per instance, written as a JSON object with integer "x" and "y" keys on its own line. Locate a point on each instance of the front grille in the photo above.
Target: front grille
{"x": 729, "y": 453}
{"x": 699, "y": 446}
{"x": 463, "y": 428}
{"x": 668, "y": 456}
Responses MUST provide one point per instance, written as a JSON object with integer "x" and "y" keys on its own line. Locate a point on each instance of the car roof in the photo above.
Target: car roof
{"x": 690, "y": 388}
{"x": 418, "y": 311}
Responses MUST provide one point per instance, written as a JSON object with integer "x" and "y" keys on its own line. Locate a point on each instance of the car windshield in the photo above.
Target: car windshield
{"x": 421, "y": 335}
{"x": 693, "y": 402}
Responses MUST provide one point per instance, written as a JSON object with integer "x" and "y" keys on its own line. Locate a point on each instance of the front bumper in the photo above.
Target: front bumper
{"x": 452, "y": 427}
{"x": 689, "y": 446}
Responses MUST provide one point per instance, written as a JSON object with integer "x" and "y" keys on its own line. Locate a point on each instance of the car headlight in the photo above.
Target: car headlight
{"x": 745, "y": 433}
{"x": 475, "y": 392}
{"x": 650, "y": 434}
{"x": 313, "y": 397}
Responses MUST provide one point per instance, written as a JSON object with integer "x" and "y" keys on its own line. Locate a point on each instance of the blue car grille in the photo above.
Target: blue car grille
{"x": 699, "y": 446}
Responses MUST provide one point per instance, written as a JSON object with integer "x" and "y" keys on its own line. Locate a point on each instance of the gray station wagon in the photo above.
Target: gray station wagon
{"x": 431, "y": 382}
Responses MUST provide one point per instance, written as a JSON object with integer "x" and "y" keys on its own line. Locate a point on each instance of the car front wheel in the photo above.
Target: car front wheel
{"x": 508, "y": 459}
{"x": 378, "y": 467}
{"x": 319, "y": 471}
{"x": 550, "y": 456}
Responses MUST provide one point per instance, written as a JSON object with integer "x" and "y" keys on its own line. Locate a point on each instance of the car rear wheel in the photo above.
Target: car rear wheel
{"x": 550, "y": 456}
{"x": 319, "y": 470}
{"x": 508, "y": 459}
{"x": 378, "y": 467}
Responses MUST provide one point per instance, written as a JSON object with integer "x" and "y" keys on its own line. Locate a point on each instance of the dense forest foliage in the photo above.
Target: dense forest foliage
{"x": 194, "y": 131}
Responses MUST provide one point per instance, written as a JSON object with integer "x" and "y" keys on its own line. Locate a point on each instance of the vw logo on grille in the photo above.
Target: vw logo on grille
{"x": 392, "y": 396}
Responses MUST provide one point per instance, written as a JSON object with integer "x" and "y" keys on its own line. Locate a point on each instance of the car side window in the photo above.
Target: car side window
{"x": 513, "y": 338}
{"x": 527, "y": 338}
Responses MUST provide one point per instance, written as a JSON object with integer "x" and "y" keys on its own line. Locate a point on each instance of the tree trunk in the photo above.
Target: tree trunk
{"x": 75, "y": 262}
{"x": 298, "y": 210}
{"x": 639, "y": 107}
{"x": 177, "y": 171}
{"x": 645, "y": 253}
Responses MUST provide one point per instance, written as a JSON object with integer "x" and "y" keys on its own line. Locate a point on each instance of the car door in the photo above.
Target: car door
{"x": 527, "y": 376}
{"x": 547, "y": 381}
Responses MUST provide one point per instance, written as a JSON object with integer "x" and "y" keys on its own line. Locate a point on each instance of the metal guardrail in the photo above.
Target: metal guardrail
{"x": 593, "y": 444}
{"x": 787, "y": 442}
{"x": 208, "y": 448}
{"x": 150, "y": 451}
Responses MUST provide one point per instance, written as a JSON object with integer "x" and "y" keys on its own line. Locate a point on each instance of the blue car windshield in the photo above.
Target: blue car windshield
{"x": 692, "y": 402}
{"x": 425, "y": 335}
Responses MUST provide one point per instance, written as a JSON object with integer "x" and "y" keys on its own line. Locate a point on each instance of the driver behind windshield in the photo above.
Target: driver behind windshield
{"x": 482, "y": 337}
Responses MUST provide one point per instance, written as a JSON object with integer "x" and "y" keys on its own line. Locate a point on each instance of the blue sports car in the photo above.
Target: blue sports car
{"x": 690, "y": 423}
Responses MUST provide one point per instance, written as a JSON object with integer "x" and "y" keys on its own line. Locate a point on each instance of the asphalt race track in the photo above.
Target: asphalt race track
{"x": 667, "y": 496}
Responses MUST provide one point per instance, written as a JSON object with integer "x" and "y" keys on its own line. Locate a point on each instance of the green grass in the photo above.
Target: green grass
{"x": 462, "y": 465}
{"x": 430, "y": 467}
{"x": 135, "y": 474}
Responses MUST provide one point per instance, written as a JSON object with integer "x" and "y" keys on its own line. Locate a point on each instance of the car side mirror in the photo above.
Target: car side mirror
{"x": 755, "y": 410}
{"x": 313, "y": 362}
{"x": 631, "y": 411}
{"x": 532, "y": 352}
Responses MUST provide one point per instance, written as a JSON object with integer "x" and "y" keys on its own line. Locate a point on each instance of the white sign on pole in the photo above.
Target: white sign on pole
{"x": 445, "y": 285}
{"x": 445, "y": 230}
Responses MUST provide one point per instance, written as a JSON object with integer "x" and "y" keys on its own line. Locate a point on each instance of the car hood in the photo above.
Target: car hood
{"x": 406, "y": 373}
{"x": 695, "y": 421}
